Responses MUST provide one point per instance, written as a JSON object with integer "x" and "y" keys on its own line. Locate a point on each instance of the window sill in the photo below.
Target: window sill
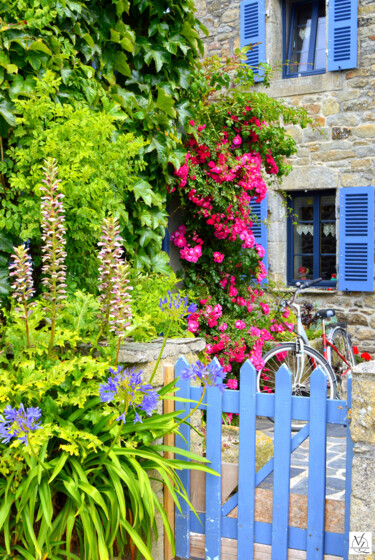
{"x": 316, "y": 291}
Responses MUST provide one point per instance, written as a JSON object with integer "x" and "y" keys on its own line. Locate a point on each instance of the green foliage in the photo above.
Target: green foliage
{"x": 98, "y": 167}
{"x": 132, "y": 60}
{"x": 149, "y": 320}
{"x": 82, "y": 487}
{"x": 66, "y": 504}
{"x": 6, "y": 247}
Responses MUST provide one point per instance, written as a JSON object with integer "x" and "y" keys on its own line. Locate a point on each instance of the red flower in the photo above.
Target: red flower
{"x": 366, "y": 356}
{"x": 355, "y": 350}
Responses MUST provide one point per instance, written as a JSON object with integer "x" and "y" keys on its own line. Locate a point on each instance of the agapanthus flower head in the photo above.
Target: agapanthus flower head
{"x": 175, "y": 306}
{"x": 53, "y": 236}
{"x": 210, "y": 375}
{"x": 21, "y": 272}
{"x": 19, "y": 423}
{"x": 127, "y": 390}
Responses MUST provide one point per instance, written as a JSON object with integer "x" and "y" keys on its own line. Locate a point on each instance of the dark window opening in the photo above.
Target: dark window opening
{"x": 306, "y": 50}
{"x": 312, "y": 238}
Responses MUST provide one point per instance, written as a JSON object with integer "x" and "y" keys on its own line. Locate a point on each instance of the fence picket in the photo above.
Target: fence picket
{"x": 246, "y": 466}
{"x": 349, "y": 461}
{"x": 182, "y": 519}
{"x": 213, "y": 483}
{"x": 317, "y": 466}
{"x": 283, "y": 416}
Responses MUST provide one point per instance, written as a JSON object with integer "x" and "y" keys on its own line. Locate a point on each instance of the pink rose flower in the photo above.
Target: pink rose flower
{"x": 232, "y": 384}
{"x": 237, "y": 140}
{"x": 240, "y": 324}
{"x": 218, "y": 257}
{"x": 192, "y": 123}
{"x": 223, "y": 327}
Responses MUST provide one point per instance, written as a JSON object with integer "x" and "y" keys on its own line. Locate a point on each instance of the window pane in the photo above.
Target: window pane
{"x": 320, "y": 43}
{"x": 328, "y": 238}
{"x": 303, "y": 267}
{"x": 303, "y": 209}
{"x": 304, "y": 238}
{"x": 301, "y": 39}
{"x": 327, "y": 267}
{"x": 327, "y": 208}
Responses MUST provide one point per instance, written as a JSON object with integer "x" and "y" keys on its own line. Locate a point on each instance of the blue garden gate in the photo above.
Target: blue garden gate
{"x": 250, "y": 539}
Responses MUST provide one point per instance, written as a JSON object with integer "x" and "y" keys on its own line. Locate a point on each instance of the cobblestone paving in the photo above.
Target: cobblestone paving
{"x": 336, "y": 453}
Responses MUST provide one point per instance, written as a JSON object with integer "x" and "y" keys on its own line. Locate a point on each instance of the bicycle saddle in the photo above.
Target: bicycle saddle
{"x": 325, "y": 313}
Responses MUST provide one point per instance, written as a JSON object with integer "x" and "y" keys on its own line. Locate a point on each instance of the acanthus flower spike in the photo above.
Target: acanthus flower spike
{"x": 109, "y": 269}
{"x": 23, "y": 287}
{"x": 53, "y": 248}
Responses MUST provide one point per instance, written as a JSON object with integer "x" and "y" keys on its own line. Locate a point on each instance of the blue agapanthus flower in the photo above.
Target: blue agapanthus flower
{"x": 175, "y": 306}
{"x": 210, "y": 375}
{"x": 126, "y": 389}
{"x": 19, "y": 423}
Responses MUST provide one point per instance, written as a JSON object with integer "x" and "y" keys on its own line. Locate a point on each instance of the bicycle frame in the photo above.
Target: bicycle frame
{"x": 302, "y": 337}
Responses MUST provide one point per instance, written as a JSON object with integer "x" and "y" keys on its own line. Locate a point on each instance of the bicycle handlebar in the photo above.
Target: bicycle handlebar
{"x": 307, "y": 284}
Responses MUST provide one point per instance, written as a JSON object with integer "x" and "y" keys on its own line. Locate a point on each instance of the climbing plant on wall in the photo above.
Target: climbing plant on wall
{"x": 131, "y": 61}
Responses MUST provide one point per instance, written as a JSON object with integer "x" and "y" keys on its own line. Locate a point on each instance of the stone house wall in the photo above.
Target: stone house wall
{"x": 342, "y": 154}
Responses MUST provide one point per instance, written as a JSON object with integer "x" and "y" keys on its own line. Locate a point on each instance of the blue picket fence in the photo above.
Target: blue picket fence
{"x": 216, "y": 523}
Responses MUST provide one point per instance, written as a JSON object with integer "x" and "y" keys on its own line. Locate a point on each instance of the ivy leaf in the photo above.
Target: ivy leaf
{"x": 4, "y": 282}
{"x": 160, "y": 263}
{"x": 7, "y": 112}
{"x": 20, "y": 86}
{"x": 158, "y": 143}
{"x": 159, "y": 57}
{"x": 38, "y": 45}
{"x": 165, "y": 102}
{"x": 6, "y": 245}
{"x": 147, "y": 236}
{"x": 35, "y": 60}
{"x": 121, "y": 64}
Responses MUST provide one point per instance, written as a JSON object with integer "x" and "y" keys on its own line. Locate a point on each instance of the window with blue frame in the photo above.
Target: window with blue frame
{"x": 307, "y": 39}
{"x": 305, "y": 42}
{"x": 312, "y": 239}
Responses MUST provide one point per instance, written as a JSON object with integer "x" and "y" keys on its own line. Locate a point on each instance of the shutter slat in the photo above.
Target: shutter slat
{"x": 356, "y": 243}
{"x": 342, "y": 34}
{"x": 253, "y": 30}
{"x": 259, "y": 229}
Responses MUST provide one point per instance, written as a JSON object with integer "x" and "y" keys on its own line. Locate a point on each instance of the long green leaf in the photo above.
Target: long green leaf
{"x": 137, "y": 540}
{"x": 46, "y": 502}
{"x": 94, "y": 494}
{"x": 59, "y": 466}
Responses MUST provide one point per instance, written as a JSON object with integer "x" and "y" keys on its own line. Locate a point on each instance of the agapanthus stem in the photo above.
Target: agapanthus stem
{"x": 118, "y": 350}
{"x": 34, "y": 454}
{"x": 194, "y": 409}
{"x": 161, "y": 352}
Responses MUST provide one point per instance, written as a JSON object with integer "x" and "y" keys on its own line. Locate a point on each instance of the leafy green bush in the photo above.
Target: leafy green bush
{"x": 76, "y": 436}
{"x": 100, "y": 168}
{"x": 131, "y": 60}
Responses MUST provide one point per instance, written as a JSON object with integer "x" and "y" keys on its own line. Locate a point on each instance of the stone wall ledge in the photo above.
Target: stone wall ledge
{"x": 141, "y": 352}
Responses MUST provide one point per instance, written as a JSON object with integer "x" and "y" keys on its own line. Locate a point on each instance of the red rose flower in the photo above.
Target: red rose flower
{"x": 366, "y": 356}
{"x": 355, "y": 350}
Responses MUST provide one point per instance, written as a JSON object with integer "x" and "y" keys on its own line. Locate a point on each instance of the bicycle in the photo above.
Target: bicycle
{"x": 337, "y": 358}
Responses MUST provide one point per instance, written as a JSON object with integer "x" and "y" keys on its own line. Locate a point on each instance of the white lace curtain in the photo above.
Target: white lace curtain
{"x": 306, "y": 229}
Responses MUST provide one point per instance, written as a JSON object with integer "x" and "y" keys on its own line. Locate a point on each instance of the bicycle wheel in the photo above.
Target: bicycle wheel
{"x": 302, "y": 366}
{"x": 340, "y": 340}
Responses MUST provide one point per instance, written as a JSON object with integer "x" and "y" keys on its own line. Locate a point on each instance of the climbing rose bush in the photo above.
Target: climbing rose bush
{"x": 226, "y": 169}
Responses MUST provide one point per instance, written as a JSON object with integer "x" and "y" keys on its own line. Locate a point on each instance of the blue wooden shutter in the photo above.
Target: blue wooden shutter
{"x": 342, "y": 34}
{"x": 259, "y": 209}
{"x": 356, "y": 242}
{"x": 253, "y": 30}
